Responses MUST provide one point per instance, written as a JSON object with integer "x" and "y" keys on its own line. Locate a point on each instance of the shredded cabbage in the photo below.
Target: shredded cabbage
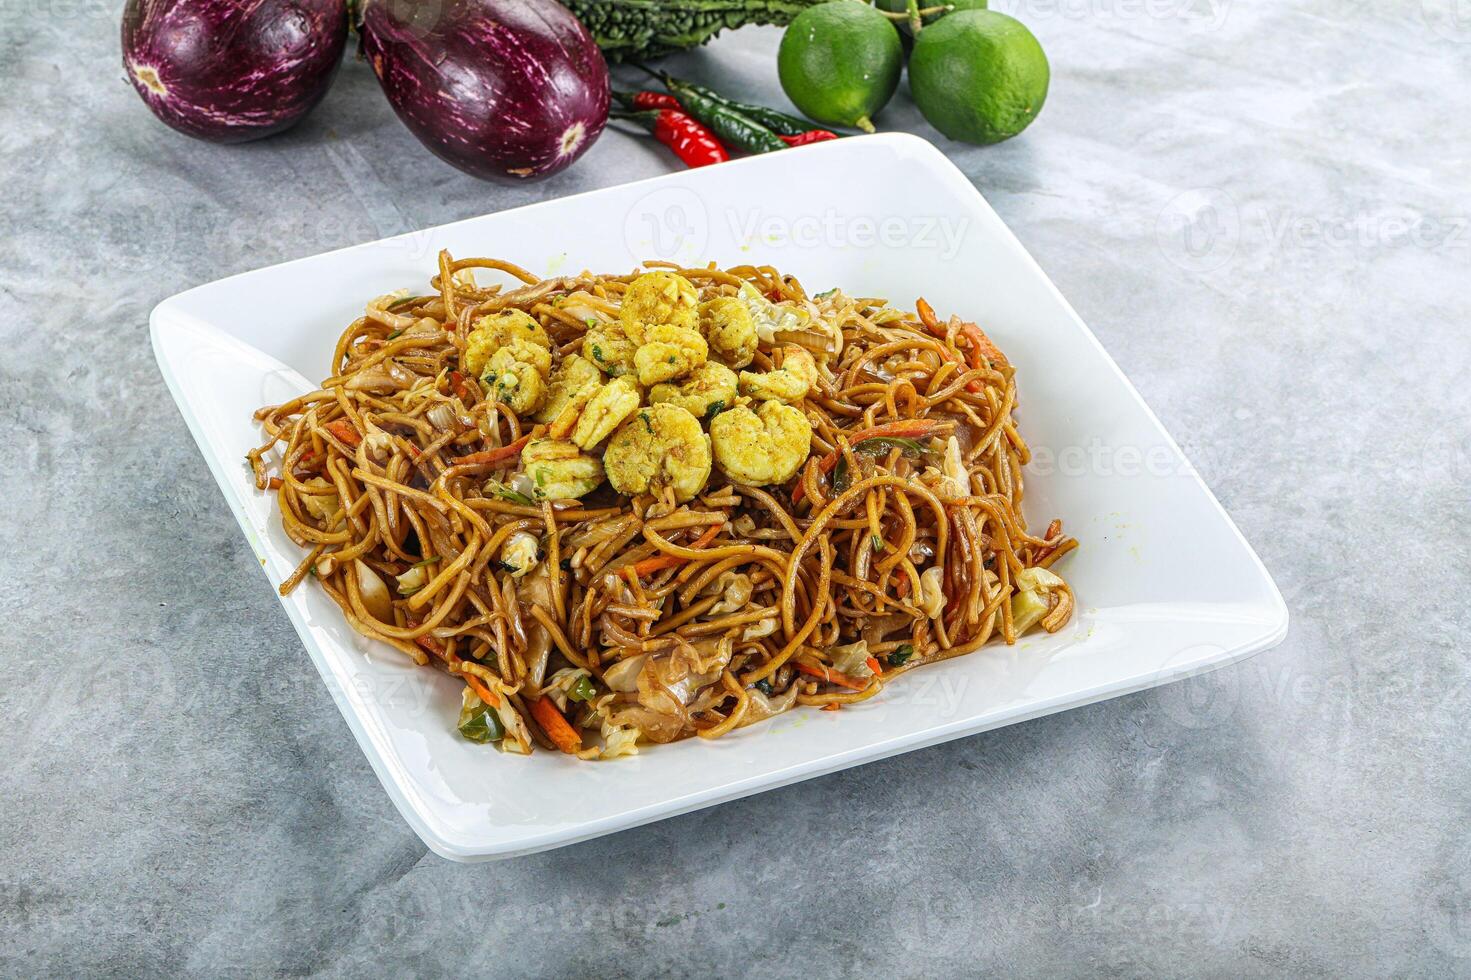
{"x": 619, "y": 741}
{"x": 1033, "y": 602}
{"x": 852, "y": 659}
{"x": 768, "y": 317}
{"x": 931, "y": 592}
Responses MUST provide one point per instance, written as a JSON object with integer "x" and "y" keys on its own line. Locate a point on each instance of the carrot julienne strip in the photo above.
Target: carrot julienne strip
{"x": 563, "y": 735}
{"x": 494, "y": 455}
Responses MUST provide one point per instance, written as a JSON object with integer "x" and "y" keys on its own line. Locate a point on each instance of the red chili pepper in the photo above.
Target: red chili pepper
{"x": 647, "y": 99}
{"x": 689, "y": 138}
{"x": 655, "y": 100}
{"x": 811, "y": 136}
{"x": 685, "y": 135}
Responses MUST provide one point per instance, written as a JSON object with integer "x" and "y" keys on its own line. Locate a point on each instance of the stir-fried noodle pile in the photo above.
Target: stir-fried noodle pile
{"x": 632, "y": 509}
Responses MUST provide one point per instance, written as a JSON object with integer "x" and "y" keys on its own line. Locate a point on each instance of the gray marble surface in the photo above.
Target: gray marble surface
{"x": 179, "y": 795}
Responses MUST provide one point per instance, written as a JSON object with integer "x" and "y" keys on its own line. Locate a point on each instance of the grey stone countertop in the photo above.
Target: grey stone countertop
{"x": 178, "y": 793}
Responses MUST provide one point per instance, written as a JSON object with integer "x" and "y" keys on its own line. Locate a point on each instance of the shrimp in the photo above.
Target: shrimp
{"x": 560, "y": 470}
{"x": 609, "y": 406}
{"x": 708, "y": 390}
{"x": 669, "y": 352}
{"x": 657, "y": 299}
{"x": 517, "y": 375}
{"x": 788, "y": 383}
{"x": 763, "y": 447}
{"x": 729, "y": 330}
{"x": 573, "y": 383}
{"x": 495, "y": 331}
{"x": 661, "y": 446}
{"x": 609, "y": 347}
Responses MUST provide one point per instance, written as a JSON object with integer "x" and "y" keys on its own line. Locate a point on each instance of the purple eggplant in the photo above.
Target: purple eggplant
{"x": 233, "y": 70}
{"x": 502, "y": 89}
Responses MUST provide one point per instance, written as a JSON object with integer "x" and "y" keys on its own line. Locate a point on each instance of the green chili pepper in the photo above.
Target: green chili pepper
{"x": 901, "y": 654}
{"x": 729, "y": 124}
{"x": 583, "y": 690}
{"x": 876, "y": 446}
{"x": 774, "y": 120}
{"x": 840, "y": 475}
{"x": 480, "y": 723}
{"x": 879, "y": 445}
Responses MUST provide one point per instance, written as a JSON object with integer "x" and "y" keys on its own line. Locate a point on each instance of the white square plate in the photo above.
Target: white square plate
{"x": 1166, "y": 585}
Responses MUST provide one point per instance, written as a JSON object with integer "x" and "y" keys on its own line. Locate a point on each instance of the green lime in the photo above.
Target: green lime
{"x": 902, "y": 6}
{"x": 978, "y": 76}
{"x": 839, "y": 62}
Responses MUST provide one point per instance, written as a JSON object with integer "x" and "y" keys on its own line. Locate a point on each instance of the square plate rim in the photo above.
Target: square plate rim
{"x": 469, "y": 849}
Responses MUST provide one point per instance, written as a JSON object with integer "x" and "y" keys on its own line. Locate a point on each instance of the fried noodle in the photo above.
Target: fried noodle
{"x": 589, "y": 620}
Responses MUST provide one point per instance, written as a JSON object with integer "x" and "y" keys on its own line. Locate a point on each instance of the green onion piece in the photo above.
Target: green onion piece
{"x": 900, "y": 655}
{"x": 506, "y": 493}
{"x": 395, "y": 335}
{"x": 426, "y": 561}
{"x": 878, "y": 543}
{"x": 406, "y": 301}
{"x": 764, "y": 686}
{"x": 583, "y": 690}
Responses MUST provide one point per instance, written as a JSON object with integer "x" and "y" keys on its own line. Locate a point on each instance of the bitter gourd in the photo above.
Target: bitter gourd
{"x": 635, "y": 29}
